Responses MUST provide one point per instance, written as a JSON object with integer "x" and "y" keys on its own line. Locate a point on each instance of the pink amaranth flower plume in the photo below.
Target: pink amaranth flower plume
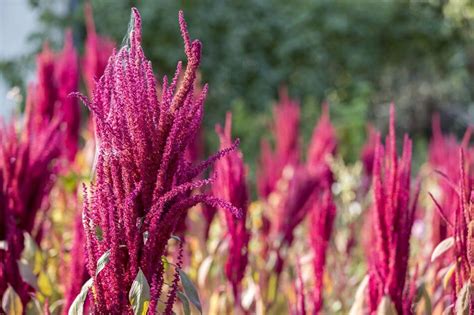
{"x": 392, "y": 221}
{"x": 143, "y": 180}
{"x": 464, "y": 236}
{"x": 97, "y": 52}
{"x": 230, "y": 185}
{"x": 323, "y": 145}
{"x": 443, "y": 157}
{"x": 368, "y": 151}
{"x": 57, "y": 78}
{"x": 323, "y": 213}
{"x": 77, "y": 273}
{"x": 286, "y": 129}
{"x": 28, "y": 167}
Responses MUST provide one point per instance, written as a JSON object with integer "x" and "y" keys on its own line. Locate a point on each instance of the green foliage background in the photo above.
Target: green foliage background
{"x": 358, "y": 55}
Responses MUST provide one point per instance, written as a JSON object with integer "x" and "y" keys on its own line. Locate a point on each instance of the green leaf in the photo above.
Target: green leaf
{"x": 190, "y": 290}
{"x": 77, "y": 306}
{"x": 185, "y": 302}
{"x": 26, "y": 272}
{"x": 165, "y": 262}
{"x": 44, "y": 284}
{"x": 463, "y": 299}
{"x": 103, "y": 260}
{"x": 11, "y": 302}
{"x": 32, "y": 254}
{"x": 99, "y": 233}
{"x": 442, "y": 248}
{"x": 139, "y": 295}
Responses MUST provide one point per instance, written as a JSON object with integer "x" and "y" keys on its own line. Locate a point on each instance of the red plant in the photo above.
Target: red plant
{"x": 462, "y": 225}
{"x": 230, "y": 185}
{"x": 57, "y": 78}
{"x": 77, "y": 274}
{"x": 323, "y": 213}
{"x": 443, "y": 158}
{"x": 142, "y": 183}
{"x": 27, "y": 171}
{"x": 286, "y": 129}
{"x": 323, "y": 145}
{"x": 97, "y": 52}
{"x": 392, "y": 220}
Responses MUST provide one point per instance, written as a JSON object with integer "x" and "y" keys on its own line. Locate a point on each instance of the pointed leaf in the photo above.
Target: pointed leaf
{"x": 99, "y": 233}
{"x": 139, "y": 295}
{"x": 102, "y": 261}
{"x": 44, "y": 284}
{"x": 442, "y": 248}
{"x": 422, "y": 293}
{"x": 185, "y": 302}
{"x": 190, "y": 290}
{"x": 386, "y": 307}
{"x": 449, "y": 273}
{"x": 26, "y": 272}
{"x": 176, "y": 238}
{"x": 204, "y": 270}
{"x": 77, "y": 306}
{"x": 358, "y": 306}
{"x": 165, "y": 262}
{"x": 11, "y": 302}
{"x": 463, "y": 299}
{"x": 32, "y": 254}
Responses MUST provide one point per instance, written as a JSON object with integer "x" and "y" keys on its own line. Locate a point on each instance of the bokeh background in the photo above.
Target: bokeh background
{"x": 357, "y": 55}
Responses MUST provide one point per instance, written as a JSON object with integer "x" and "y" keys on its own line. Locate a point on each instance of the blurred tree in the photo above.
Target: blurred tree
{"x": 357, "y": 55}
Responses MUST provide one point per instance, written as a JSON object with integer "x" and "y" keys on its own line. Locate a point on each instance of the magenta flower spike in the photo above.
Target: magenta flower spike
{"x": 323, "y": 145}
{"x": 443, "y": 157}
{"x": 299, "y": 308}
{"x": 27, "y": 170}
{"x": 143, "y": 180}
{"x": 464, "y": 231}
{"x": 368, "y": 151}
{"x": 97, "y": 52}
{"x": 67, "y": 76}
{"x": 392, "y": 220}
{"x": 77, "y": 273}
{"x": 286, "y": 130}
{"x": 323, "y": 213}
{"x": 57, "y": 78}
{"x": 230, "y": 185}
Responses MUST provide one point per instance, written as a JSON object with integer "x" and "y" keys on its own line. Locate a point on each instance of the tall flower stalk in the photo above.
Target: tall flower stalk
{"x": 323, "y": 214}
{"x": 142, "y": 179}
{"x": 28, "y": 165}
{"x": 392, "y": 220}
{"x": 464, "y": 242}
{"x": 57, "y": 78}
{"x": 97, "y": 52}
{"x": 230, "y": 185}
{"x": 443, "y": 157}
{"x": 286, "y": 153}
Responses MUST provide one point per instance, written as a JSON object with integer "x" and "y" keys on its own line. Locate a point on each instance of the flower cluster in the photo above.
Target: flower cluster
{"x": 286, "y": 129}
{"x": 230, "y": 185}
{"x": 57, "y": 78}
{"x": 28, "y": 164}
{"x": 142, "y": 181}
{"x": 323, "y": 213}
{"x": 96, "y": 54}
{"x": 392, "y": 221}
